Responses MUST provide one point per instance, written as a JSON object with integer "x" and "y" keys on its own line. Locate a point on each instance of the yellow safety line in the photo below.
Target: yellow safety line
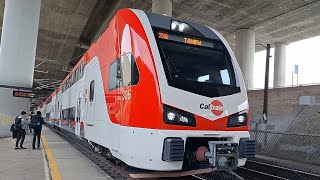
{"x": 55, "y": 174}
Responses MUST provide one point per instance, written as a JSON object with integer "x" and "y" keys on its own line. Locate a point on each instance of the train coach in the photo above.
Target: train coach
{"x": 159, "y": 94}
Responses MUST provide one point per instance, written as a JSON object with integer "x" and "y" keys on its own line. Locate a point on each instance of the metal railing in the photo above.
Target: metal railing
{"x": 286, "y": 86}
{"x": 298, "y": 151}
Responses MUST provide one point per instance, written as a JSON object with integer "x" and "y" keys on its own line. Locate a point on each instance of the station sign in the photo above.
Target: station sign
{"x": 25, "y": 94}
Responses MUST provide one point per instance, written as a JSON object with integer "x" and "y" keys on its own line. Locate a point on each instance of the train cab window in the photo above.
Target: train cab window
{"x": 114, "y": 71}
{"x": 91, "y": 93}
{"x": 129, "y": 69}
{"x": 202, "y": 70}
{"x": 123, "y": 72}
{"x": 225, "y": 77}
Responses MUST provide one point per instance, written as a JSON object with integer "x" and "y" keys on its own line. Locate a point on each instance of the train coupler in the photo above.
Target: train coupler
{"x": 223, "y": 155}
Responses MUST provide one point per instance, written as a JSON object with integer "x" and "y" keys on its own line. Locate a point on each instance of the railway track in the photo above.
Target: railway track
{"x": 113, "y": 170}
{"x": 254, "y": 170}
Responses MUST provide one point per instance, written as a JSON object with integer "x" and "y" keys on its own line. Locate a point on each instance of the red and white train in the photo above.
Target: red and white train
{"x": 158, "y": 94}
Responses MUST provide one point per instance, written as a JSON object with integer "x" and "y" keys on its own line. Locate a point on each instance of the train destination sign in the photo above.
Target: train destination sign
{"x": 185, "y": 39}
{"x": 24, "y": 94}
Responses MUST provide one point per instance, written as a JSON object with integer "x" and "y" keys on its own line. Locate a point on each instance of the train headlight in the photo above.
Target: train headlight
{"x": 182, "y": 26}
{"x": 174, "y": 25}
{"x": 178, "y": 26}
{"x": 241, "y": 118}
{"x": 178, "y": 117}
{"x": 236, "y": 120}
{"x": 171, "y": 116}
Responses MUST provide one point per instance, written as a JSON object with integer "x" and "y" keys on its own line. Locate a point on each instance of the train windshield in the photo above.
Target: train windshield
{"x": 206, "y": 71}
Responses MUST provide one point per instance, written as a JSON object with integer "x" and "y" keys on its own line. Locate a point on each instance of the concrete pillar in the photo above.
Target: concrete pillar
{"x": 279, "y": 78}
{"x": 245, "y": 49}
{"x": 18, "y": 42}
{"x": 162, "y": 7}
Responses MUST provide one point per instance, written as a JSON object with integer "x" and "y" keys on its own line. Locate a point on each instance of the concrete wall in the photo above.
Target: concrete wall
{"x": 10, "y": 107}
{"x": 283, "y": 107}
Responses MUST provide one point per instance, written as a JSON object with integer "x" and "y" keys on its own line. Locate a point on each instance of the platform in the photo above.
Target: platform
{"x": 56, "y": 159}
{"x": 21, "y": 164}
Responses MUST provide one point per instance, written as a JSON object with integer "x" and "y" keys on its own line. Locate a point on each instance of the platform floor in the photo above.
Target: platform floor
{"x": 57, "y": 159}
{"x": 26, "y": 164}
{"x": 71, "y": 163}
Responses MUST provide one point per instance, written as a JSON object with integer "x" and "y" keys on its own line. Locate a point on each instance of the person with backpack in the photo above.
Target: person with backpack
{"x": 20, "y": 122}
{"x": 36, "y": 124}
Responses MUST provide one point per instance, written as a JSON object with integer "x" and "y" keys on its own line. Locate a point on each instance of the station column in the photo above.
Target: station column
{"x": 162, "y": 7}
{"x": 279, "y": 64}
{"x": 18, "y": 42}
{"x": 245, "y": 49}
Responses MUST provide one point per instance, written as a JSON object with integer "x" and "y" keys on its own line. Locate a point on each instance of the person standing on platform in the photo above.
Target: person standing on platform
{"x": 36, "y": 124}
{"x": 20, "y": 123}
{"x": 24, "y": 129}
{"x": 30, "y": 118}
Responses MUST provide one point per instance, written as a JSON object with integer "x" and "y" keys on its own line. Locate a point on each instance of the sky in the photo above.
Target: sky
{"x": 305, "y": 54}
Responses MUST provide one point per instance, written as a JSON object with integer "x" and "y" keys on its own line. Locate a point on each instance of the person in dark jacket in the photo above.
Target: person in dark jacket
{"x": 21, "y": 132}
{"x": 30, "y": 117}
{"x": 36, "y": 124}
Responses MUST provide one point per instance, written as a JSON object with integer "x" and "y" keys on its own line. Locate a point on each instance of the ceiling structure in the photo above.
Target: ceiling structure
{"x": 68, "y": 27}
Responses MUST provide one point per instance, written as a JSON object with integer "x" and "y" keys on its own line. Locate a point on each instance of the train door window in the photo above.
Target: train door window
{"x": 91, "y": 94}
{"x": 130, "y": 73}
{"x": 72, "y": 114}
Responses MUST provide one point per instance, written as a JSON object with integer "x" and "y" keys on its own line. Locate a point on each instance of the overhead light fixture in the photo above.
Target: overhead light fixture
{"x": 65, "y": 70}
{"x": 45, "y": 72}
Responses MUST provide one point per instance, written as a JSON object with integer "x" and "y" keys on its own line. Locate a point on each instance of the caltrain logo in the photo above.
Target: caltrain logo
{"x": 216, "y": 107}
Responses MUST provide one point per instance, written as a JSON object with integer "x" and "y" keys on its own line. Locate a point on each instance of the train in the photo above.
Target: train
{"x": 157, "y": 94}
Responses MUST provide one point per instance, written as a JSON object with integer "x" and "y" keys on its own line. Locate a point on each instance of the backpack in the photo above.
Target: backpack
{"x": 13, "y": 128}
{"x": 34, "y": 122}
{"x": 17, "y": 124}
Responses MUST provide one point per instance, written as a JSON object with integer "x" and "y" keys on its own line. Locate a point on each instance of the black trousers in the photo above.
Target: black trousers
{"x": 36, "y": 135}
{"x": 21, "y": 135}
{"x": 30, "y": 129}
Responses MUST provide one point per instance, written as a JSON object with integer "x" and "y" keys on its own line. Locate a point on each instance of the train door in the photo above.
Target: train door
{"x": 59, "y": 123}
{"x": 78, "y": 113}
{"x": 91, "y": 88}
{"x": 60, "y": 116}
{"x": 114, "y": 101}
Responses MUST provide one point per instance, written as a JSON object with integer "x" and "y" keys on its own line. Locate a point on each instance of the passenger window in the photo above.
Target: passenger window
{"x": 91, "y": 94}
{"x": 130, "y": 73}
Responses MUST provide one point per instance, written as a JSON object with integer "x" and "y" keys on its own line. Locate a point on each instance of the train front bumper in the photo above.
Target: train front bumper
{"x": 144, "y": 148}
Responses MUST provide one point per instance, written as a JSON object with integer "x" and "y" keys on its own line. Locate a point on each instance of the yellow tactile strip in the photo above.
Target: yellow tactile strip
{"x": 55, "y": 174}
